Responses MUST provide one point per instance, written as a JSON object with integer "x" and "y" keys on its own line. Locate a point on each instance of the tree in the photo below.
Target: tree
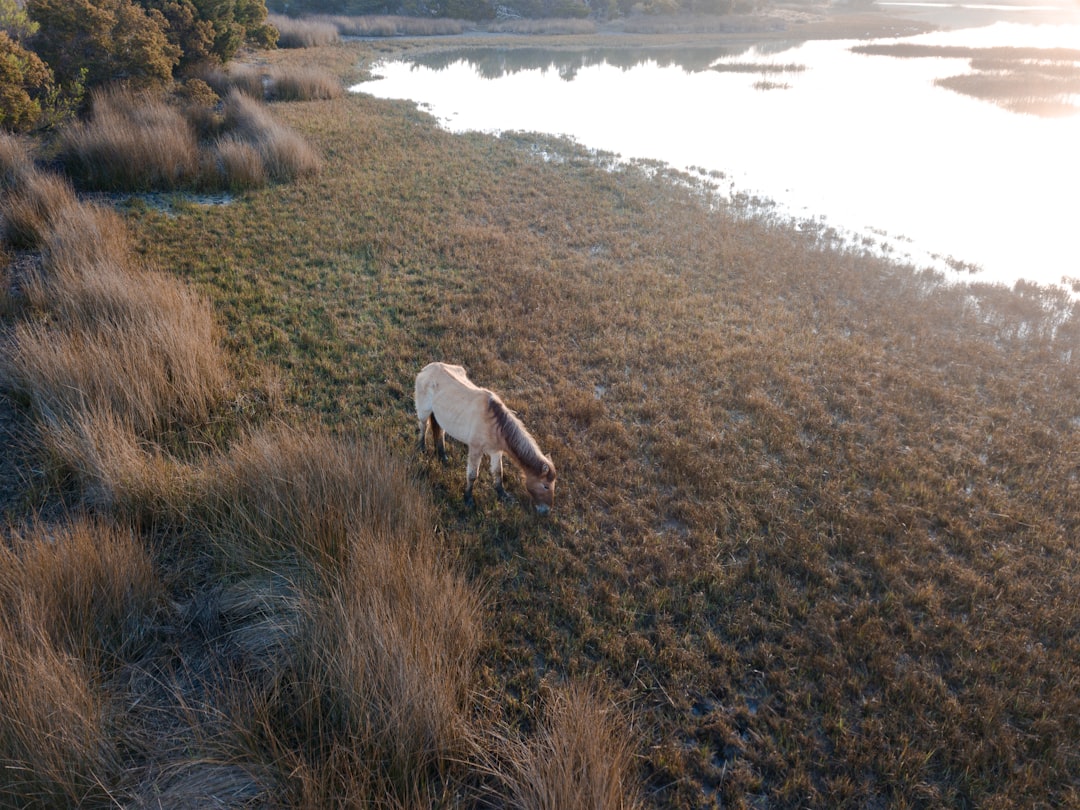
{"x": 234, "y": 22}
{"x": 15, "y": 22}
{"x": 105, "y": 40}
{"x": 187, "y": 30}
{"x": 24, "y": 81}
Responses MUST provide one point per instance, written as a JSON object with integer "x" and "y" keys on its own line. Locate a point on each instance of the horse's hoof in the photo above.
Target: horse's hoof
{"x": 444, "y": 458}
{"x": 504, "y": 496}
{"x": 470, "y": 503}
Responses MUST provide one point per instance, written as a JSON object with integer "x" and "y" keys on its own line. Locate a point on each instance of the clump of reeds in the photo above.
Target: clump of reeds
{"x": 285, "y": 154}
{"x": 74, "y": 600}
{"x": 30, "y": 206}
{"x": 305, "y": 33}
{"x": 303, "y": 84}
{"x": 133, "y": 141}
{"x": 386, "y": 25}
{"x": 548, "y": 25}
{"x": 235, "y": 76}
{"x": 579, "y": 756}
{"x": 115, "y": 357}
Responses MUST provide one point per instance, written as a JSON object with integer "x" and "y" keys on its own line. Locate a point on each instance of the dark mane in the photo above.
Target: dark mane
{"x": 521, "y": 444}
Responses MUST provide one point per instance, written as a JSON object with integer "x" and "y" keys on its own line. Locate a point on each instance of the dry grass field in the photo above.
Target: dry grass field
{"x": 815, "y": 543}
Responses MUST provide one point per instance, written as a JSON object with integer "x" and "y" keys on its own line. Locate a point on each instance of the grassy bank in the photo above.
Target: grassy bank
{"x": 816, "y": 525}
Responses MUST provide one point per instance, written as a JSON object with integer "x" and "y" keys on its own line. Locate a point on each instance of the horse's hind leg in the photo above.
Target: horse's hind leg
{"x": 439, "y": 436}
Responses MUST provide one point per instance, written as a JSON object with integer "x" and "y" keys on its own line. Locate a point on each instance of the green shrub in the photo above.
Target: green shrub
{"x": 111, "y": 40}
{"x": 24, "y": 79}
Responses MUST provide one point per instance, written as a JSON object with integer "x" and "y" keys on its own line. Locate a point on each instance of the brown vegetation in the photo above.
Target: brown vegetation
{"x": 294, "y": 33}
{"x": 308, "y": 561}
{"x": 139, "y": 142}
{"x": 816, "y": 534}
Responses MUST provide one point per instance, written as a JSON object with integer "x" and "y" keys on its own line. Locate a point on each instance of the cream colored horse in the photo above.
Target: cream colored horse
{"x": 450, "y": 402}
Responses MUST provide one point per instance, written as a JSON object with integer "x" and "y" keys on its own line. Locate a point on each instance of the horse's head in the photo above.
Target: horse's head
{"x": 541, "y": 488}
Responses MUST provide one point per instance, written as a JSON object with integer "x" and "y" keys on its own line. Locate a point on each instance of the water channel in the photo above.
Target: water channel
{"x": 870, "y": 144}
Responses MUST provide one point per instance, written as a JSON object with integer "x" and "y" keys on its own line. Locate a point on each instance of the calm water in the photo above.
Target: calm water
{"x": 866, "y": 144}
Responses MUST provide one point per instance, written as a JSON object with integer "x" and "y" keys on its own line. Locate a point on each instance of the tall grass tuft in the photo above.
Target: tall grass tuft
{"x": 87, "y": 588}
{"x": 55, "y": 740}
{"x": 282, "y": 492}
{"x": 236, "y": 165}
{"x": 117, "y": 359}
{"x": 285, "y": 154}
{"x": 391, "y": 649}
{"x": 294, "y": 33}
{"x": 28, "y": 210}
{"x": 74, "y": 601}
{"x": 381, "y": 664}
{"x": 303, "y": 84}
{"x": 16, "y": 161}
{"x": 224, "y": 80}
{"x": 132, "y": 142}
{"x": 384, "y": 25}
{"x": 580, "y": 757}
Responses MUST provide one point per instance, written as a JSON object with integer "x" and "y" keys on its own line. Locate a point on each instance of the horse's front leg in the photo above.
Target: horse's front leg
{"x": 471, "y": 472}
{"x": 497, "y": 477}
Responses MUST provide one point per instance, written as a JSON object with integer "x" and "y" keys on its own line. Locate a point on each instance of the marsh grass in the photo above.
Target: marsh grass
{"x": 296, "y": 33}
{"x": 581, "y": 755}
{"x": 132, "y": 142}
{"x": 384, "y": 25}
{"x": 1040, "y": 81}
{"x": 815, "y": 527}
{"x": 28, "y": 209}
{"x": 813, "y": 509}
{"x": 285, "y": 154}
{"x": 75, "y": 600}
{"x": 303, "y": 84}
{"x": 138, "y": 142}
{"x": 555, "y": 26}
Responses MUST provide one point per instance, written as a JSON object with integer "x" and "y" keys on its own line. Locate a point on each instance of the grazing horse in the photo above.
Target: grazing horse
{"x": 450, "y": 402}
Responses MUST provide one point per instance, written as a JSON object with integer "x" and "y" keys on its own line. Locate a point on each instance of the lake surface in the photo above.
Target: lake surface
{"x": 865, "y": 144}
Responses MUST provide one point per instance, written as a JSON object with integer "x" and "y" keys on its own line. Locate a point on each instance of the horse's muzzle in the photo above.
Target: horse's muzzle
{"x": 542, "y": 509}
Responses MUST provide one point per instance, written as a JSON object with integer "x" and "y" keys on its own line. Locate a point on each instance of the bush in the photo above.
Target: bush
{"x": 24, "y": 80}
{"x": 103, "y": 41}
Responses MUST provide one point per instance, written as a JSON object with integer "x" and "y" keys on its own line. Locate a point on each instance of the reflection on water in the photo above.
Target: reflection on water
{"x": 890, "y": 150}
{"x": 494, "y": 63}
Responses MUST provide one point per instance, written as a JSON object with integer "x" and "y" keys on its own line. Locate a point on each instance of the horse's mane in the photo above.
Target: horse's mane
{"x": 518, "y": 439}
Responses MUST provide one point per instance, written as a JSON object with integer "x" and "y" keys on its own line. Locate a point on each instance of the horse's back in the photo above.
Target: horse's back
{"x": 458, "y": 404}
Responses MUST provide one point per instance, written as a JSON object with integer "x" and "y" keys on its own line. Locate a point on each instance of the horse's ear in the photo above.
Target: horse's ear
{"x": 545, "y": 470}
